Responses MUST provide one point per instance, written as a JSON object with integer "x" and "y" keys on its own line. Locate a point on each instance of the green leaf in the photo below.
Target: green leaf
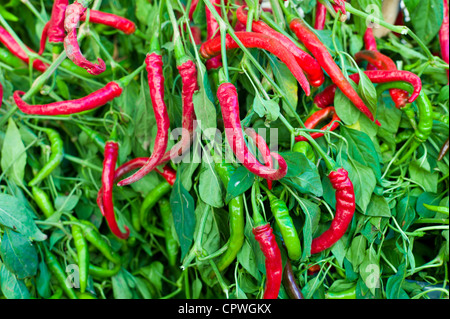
{"x": 209, "y": 186}
{"x": 241, "y": 180}
{"x": 356, "y": 252}
{"x": 204, "y": 109}
{"x": 378, "y": 206}
{"x": 66, "y": 203}
{"x": 312, "y": 217}
{"x": 43, "y": 281}
{"x": 18, "y": 254}
{"x": 15, "y": 215}
{"x": 13, "y": 155}
{"x": 120, "y": 286}
{"x": 12, "y": 288}
{"x": 420, "y": 173}
{"x": 363, "y": 180}
{"x": 183, "y": 208}
{"x": 394, "y": 284}
{"x": 370, "y": 270}
{"x": 246, "y": 257}
{"x": 368, "y": 93}
{"x": 429, "y": 199}
{"x": 345, "y": 109}
{"x": 427, "y": 19}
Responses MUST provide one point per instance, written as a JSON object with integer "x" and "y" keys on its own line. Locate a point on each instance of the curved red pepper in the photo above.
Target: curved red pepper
{"x": 89, "y": 102}
{"x": 156, "y": 83}
{"x": 274, "y": 267}
{"x": 212, "y": 48}
{"x": 263, "y": 148}
{"x": 316, "y": 118}
{"x": 14, "y": 48}
{"x": 320, "y": 52}
{"x": 228, "y": 100}
{"x": 383, "y": 62}
{"x": 55, "y": 30}
{"x": 326, "y": 97}
{"x": 111, "y": 20}
{"x": 212, "y": 30}
{"x": 321, "y": 16}
{"x": 369, "y": 40}
{"x": 443, "y": 35}
{"x": 73, "y": 51}
{"x": 345, "y": 208}
{"x": 305, "y": 61}
{"x": 105, "y": 195}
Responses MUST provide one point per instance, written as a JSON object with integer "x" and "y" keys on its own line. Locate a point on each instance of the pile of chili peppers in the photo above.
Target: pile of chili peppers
{"x": 243, "y": 68}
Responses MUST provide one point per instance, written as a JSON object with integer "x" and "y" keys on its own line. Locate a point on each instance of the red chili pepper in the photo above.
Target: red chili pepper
{"x": 383, "y": 62}
{"x": 369, "y": 40}
{"x": 326, "y": 97}
{"x": 228, "y": 100}
{"x": 263, "y": 148}
{"x": 212, "y": 48}
{"x": 316, "y": 118}
{"x": 156, "y": 83}
{"x": 321, "y": 16}
{"x": 1, "y": 94}
{"x": 274, "y": 267}
{"x": 73, "y": 51}
{"x": 56, "y": 24}
{"x": 345, "y": 208}
{"x": 443, "y": 35}
{"x": 305, "y": 61}
{"x": 320, "y": 52}
{"x": 212, "y": 31}
{"x": 15, "y": 49}
{"x": 111, "y": 20}
{"x": 105, "y": 195}
{"x": 194, "y": 4}
{"x": 168, "y": 173}
{"x": 89, "y": 102}
{"x": 197, "y": 34}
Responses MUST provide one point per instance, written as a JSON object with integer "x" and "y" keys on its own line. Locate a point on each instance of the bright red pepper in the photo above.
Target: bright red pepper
{"x": 15, "y": 49}
{"x": 326, "y": 97}
{"x": 212, "y": 31}
{"x": 228, "y": 100}
{"x": 105, "y": 195}
{"x": 73, "y": 51}
{"x": 156, "y": 83}
{"x": 305, "y": 61}
{"x": 55, "y": 30}
{"x": 316, "y": 118}
{"x": 89, "y": 102}
{"x": 321, "y": 16}
{"x": 194, "y": 4}
{"x": 111, "y": 20}
{"x": 263, "y": 148}
{"x": 320, "y": 52}
{"x": 345, "y": 208}
{"x": 443, "y": 35}
{"x": 274, "y": 267}
{"x": 212, "y": 48}
{"x": 369, "y": 40}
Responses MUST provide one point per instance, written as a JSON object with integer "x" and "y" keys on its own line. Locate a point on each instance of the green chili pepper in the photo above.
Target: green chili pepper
{"x": 103, "y": 273}
{"x": 286, "y": 226}
{"x": 236, "y": 218}
{"x": 95, "y": 238}
{"x": 438, "y": 209}
{"x": 57, "y": 270}
{"x": 305, "y": 148}
{"x": 171, "y": 243}
{"x": 150, "y": 201}
{"x": 8, "y": 58}
{"x": 349, "y": 293}
{"x": 85, "y": 295}
{"x": 57, "y": 154}
{"x": 82, "y": 253}
{"x": 42, "y": 201}
{"x": 58, "y": 294}
{"x": 94, "y": 136}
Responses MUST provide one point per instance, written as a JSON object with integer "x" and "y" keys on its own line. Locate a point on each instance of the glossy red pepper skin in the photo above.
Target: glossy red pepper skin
{"x": 383, "y": 62}
{"x": 154, "y": 65}
{"x": 197, "y": 34}
{"x": 326, "y": 97}
{"x": 15, "y": 49}
{"x": 167, "y": 173}
{"x": 111, "y": 20}
{"x": 443, "y": 35}
{"x": 345, "y": 208}
{"x": 263, "y": 148}
{"x": 320, "y": 52}
{"x": 212, "y": 31}
{"x": 274, "y": 267}
{"x": 369, "y": 40}
{"x": 321, "y": 16}
{"x": 105, "y": 195}
{"x": 316, "y": 118}
{"x": 71, "y": 46}
{"x": 55, "y": 30}
{"x": 228, "y": 100}
{"x": 212, "y": 48}
{"x": 89, "y": 102}
{"x": 311, "y": 67}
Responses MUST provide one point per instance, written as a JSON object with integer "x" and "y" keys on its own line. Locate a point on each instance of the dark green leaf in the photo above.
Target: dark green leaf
{"x": 241, "y": 180}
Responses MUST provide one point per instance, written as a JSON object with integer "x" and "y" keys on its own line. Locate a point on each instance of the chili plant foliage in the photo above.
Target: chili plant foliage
{"x": 223, "y": 149}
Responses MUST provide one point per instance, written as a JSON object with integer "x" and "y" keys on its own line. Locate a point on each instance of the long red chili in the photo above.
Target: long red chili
{"x": 320, "y": 52}
{"x": 321, "y": 16}
{"x": 383, "y": 62}
{"x": 55, "y": 30}
{"x": 154, "y": 65}
{"x": 194, "y": 4}
{"x": 316, "y": 118}
{"x": 274, "y": 267}
{"x": 212, "y": 48}
{"x": 228, "y": 100}
{"x": 345, "y": 208}
{"x": 14, "y": 48}
{"x": 212, "y": 28}
{"x": 305, "y": 61}
{"x": 89, "y": 102}
{"x": 369, "y": 40}
{"x": 105, "y": 196}
{"x": 443, "y": 35}
{"x": 73, "y": 51}
{"x": 326, "y": 97}
{"x": 263, "y": 148}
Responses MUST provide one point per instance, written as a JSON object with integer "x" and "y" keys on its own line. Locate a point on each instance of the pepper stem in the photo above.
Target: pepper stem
{"x": 257, "y": 217}
{"x": 124, "y": 81}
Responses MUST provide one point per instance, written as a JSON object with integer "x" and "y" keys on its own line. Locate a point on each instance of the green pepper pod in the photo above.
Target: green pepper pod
{"x": 43, "y": 201}
{"x": 151, "y": 200}
{"x": 83, "y": 255}
{"x": 57, "y": 270}
{"x": 305, "y": 148}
